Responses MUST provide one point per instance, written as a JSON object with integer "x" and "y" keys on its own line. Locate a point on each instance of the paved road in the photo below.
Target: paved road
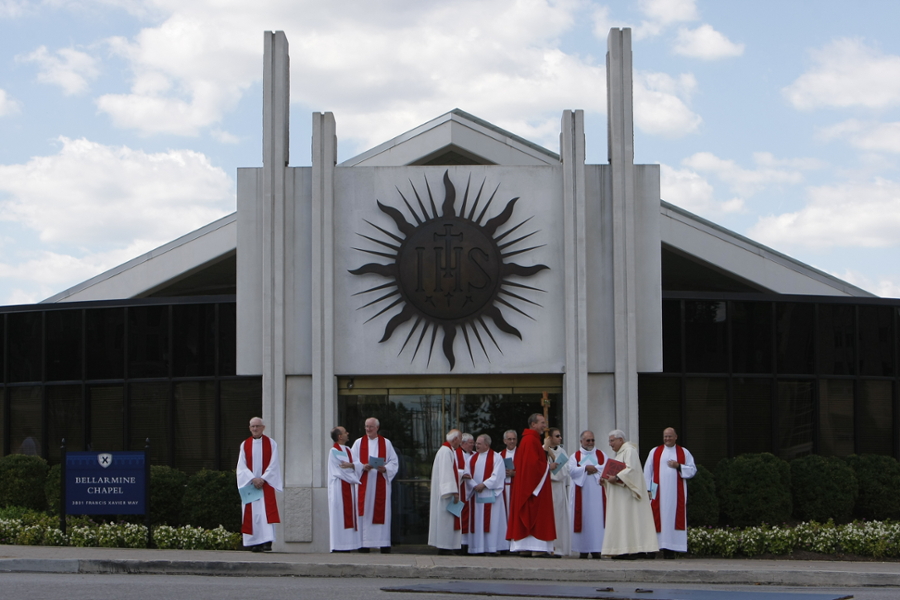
{"x": 165, "y": 587}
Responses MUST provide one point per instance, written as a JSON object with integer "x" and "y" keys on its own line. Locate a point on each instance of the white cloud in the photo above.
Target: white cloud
{"x": 660, "y": 104}
{"x": 8, "y": 106}
{"x": 881, "y": 285}
{"x": 10, "y": 9}
{"x": 863, "y": 215}
{"x": 847, "y": 73}
{"x": 68, "y": 68}
{"x": 380, "y": 67}
{"x": 662, "y": 14}
{"x": 706, "y": 43}
{"x": 691, "y": 191}
{"x": 871, "y": 136}
{"x": 746, "y": 182}
{"x": 102, "y": 198}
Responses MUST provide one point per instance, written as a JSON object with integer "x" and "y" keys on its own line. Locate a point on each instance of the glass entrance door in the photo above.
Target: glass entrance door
{"x": 416, "y": 419}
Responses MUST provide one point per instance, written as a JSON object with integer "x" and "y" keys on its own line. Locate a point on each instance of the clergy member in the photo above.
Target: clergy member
{"x": 258, "y": 466}
{"x": 559, "y": 484}
{"x": 342, "y": 487}
{"x": 531, "y": 529}
{"x": 464, "y": 453}
{"x": 444, "y": 528}
{"x": 487, "y": 530}
{"x": 629, "y": 523}
{"x": 587, "y": 498}
{"x": 666, "y": 472}
{"x": 374, "y": 494}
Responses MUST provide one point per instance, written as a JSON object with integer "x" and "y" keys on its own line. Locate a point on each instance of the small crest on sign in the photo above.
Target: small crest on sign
{"x": 105, "y": 459}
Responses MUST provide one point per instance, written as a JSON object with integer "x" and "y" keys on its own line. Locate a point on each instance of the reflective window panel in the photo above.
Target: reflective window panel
{"x": 63, "y": 347}
{"x": 752, "y": 415}
{"x": 706, "y": 339}
{"x": 105, "y": 343}
{"x": 706, "y": 419}
{"x": 876, "y": 417}
{"x": 24, "y": 343}
{"x": 835, "y": 417}
{"x": 837, "y": 339}
{"x": 751, "y": 330}
{"x": 795, "y": 338}
{"x": 796, "y": 418}
{"x": 65, "y": 419}
{"x": 25, "y": 420}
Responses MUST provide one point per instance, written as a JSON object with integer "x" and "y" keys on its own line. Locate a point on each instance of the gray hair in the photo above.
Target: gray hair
{"x": 377, "y": 422}
{"x": 486, "y": 438}
{"x": 617, "y": 434}
{"x": 261, "y": 422}
{"x": 453, "y": 434}
{"x": 466, "y": 437}
{"x": 510, "y": 431}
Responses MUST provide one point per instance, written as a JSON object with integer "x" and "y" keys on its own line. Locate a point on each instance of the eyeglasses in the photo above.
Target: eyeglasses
{"x": 590, "y": 440}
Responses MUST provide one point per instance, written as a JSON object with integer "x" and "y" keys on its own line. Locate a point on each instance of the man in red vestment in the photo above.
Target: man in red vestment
{"x": 258, "y": 467}
{"x": 531, "y": 526}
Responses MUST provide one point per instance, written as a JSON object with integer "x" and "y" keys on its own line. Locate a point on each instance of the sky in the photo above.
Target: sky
{"x": 122, "y": 122}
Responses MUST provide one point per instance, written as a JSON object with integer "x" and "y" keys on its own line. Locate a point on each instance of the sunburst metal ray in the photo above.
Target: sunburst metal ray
{"x": 520, "y": 285}
{"x": 402, "y": 224}
{"x": 512, "y": 306}
{"x": 411, "y": 332}
{"x": 515, "y": 269}
{"x": 449, "y": 336}
{"x": 494, "y": 313}
{"x": 462, "y": 211}
{"x": 402, "y": 317}
{"x": 376, "y": 269}
{"x": 500, "y": 237}
{"x": 447, "y": 208}
{"x": 516, "y": 241}
{"x": 376, "y": 253}
{"x": 413, "y": 212}
{"x": 431, "y": 198}
{"x": 490, "y": 335}
{"x": 396, "y": 238}
{"x": 434, "y": 331}
{"x": 465, "y": 330}
{"x": 491, "y": 226}
{"x": 380, "y": 242}
{"x": 487, "y": 205}
{"x": 419, "y": 200}
{"x": 377, "y": 300}
{"x": 377, "y": 287}
{"x": 515, "y": 252}
{"x": 421, "y": 336}
{"x": 480, "y": 342}
{"x": 386, "y": 308}
{"x": 518, "y": 297}
{"x": 477, "y": 199}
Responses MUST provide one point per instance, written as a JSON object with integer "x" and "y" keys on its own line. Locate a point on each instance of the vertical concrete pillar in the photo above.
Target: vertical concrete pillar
{"x": 575, "y": 389}
{"x": 620, "y": 120}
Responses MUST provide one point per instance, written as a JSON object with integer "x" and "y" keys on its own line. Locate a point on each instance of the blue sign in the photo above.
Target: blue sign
{"x": 105, "y": 483}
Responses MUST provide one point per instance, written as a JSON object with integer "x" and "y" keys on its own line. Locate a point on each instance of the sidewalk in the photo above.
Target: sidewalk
{"x": 52, "y": 559}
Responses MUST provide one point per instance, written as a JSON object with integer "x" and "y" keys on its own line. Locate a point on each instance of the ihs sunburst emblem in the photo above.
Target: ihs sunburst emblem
{"x": 449, "y": 271}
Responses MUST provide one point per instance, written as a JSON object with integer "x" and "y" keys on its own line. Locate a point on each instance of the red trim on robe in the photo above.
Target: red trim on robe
{"x": 488, "y": 471}
{"x": 680, "y": 520}
{"x": 506, "y": 486}
{"x": 463, "y": 519}
{"x": 347, "y": 494}
{"x": 380, "y": 482}
{"x": 268, "y": 490}
{"x": 577, "y": 525}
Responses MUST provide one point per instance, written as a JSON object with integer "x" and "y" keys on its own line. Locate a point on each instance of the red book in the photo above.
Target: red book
{"x": 613, "y": 467}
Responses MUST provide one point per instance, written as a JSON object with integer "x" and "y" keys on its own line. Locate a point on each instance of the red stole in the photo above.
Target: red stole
{"x": 488, "y": 471}
{"x": 347, "y": 494}
{"x": 268, "y": 490}
{"x": 654, "y": 504}
{"x": 531, "y": 515}
{"x": 380, "y": 481}
{"x": 577, "y": 525}
{"x": 463, "y": 519}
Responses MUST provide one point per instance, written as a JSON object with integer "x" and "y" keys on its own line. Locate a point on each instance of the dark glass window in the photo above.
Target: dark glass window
{"x": 876, "y": 418}
{"x": 752, "y": 415}
{"x": 876, "y": 340}
{"x": 796, "y": 418}
{"x": 148, "y": 341}
{"x": 835, "y": 417}
{"x": 671, "y": 326}
{"x": 2, "y": 351}
{"x": 2, "y": 420}
{"x": 795, "y": 338}
{"x": 706, "y": 336}
{"x": 105, "y": 337}
{"x": 751, "y": 331}
{"x": 107, "y": 404}
{"x": 837, "y": 339}
{"x": 195, "y": 426}
{"x": 228, "y": 339}
{"x": 659, "y": 406}
{"x": 25, "y": 346}
{"x": 194, "y": 340}
{"x": 240, "y": 401}
{"x": 63, "y": 346}
{"x": 148, "y": 417}
{"x": 65, "y": 419}
{"x": 25, "y": 420}
{"x": 706, "y": 419}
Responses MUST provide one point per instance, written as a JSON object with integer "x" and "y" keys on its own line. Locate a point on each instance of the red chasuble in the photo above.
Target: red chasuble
{"x": 654, "y": 504}
{"x": 531, "y": 515}
{"x": 577, "y": 522}
{"x": 380, "y": 482}
{"x": 347, "y": 494}
{"x": 488, "y": 471}
{"x": 268, "y": 490}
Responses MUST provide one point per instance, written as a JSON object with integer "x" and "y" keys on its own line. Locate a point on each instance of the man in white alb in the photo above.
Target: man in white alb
{"x": 444, "y": 529}
{"x": 258, "y": 466}
{"x": 488, "y": 517}
{"x": 666, "y": 472}
{"x": 374, "y": 494}
{"x": 559, "y": 482}
{"x": 587, "y": 498}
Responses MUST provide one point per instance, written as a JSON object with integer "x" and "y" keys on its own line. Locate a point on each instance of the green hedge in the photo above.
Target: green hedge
{"x": 211, "y": 499}
{"x": 167, "y": 487}
{"x": 879, "y": 483}
{"x": 702, "y": 503}
{"x": 754, "y": 489}
{"x": 22, "y": 481}
{"x": 823, "y": 488}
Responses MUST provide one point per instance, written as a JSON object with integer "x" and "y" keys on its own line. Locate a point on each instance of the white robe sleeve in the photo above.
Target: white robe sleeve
{"x": 577, "y": 473}
{"x": 391, "y": 464}
{"x": 498, "y": 477}
{"x": 648, "y": 469}
{"x": 688, "y": 469}
{"x": 272, "y": 475}
{"x": 244, "y": 475}
{"x": 562, "y": 474}
{"x": 335, "y": 470}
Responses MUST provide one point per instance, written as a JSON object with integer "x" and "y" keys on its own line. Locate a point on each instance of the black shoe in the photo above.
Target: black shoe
{"x": 584, "y": 555}
{"x": 257, "y": 548}
{"x": 668, "y": 554}
{"x": 340, "y": 551}
{"x": 625, "y": 557}
{"x": 596, "y": 555}
{"x": 445, "y": 552}
{"x": 386, "y": 550}
{"x": 364, "y": 550}
{"x": 267, "y": 547}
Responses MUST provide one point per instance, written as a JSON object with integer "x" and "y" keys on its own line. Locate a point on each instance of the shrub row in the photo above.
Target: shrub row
{"x": 755, "y": 489}
{"x": 872, "y": 538}
{"x": 31, "y": 528}
{"x": 207, "y": 499}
